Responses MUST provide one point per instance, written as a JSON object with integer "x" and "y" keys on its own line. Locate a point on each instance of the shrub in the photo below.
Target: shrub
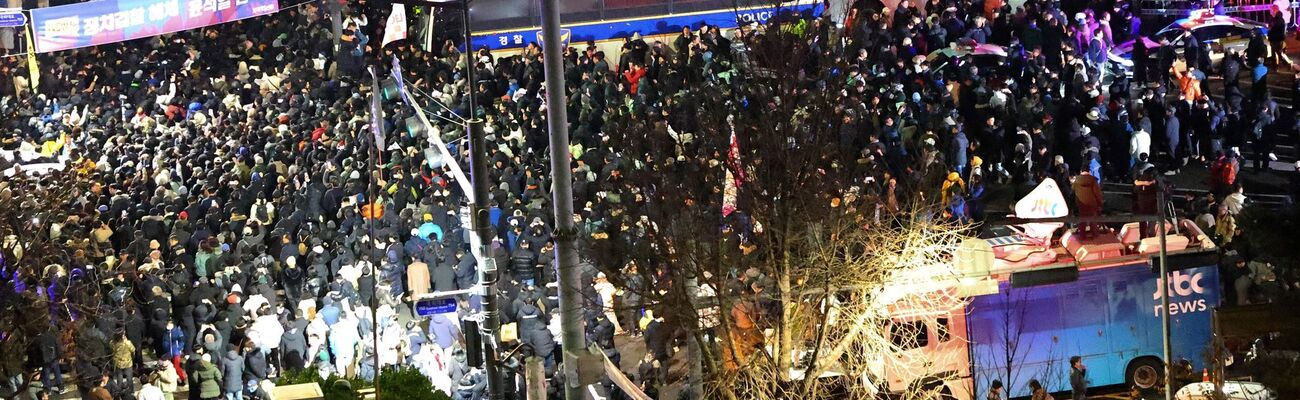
{"x": 329, "y": 386}
{"x": 406, "y": 383}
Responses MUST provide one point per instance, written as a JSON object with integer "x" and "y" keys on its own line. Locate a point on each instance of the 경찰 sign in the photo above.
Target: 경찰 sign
{"x": 656, "y": 25}
{"x": 109, "y": 21}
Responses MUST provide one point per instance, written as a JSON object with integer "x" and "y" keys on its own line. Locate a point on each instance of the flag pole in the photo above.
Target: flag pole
{"x": 376, "y": 157}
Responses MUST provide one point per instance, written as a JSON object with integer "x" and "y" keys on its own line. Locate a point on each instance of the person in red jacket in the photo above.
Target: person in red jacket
{"x": 1223, "y": 173}
{"x": 633, "y": 76}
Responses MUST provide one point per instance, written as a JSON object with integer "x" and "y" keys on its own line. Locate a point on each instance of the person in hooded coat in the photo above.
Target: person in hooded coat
{"x": 232, "y": 373}
{"x": 543, "y": 344}
{"x": 255, "y": 366}
{"x": 293, "y": 345}
{"x": 206, "y": 379}
{"x": 466, "y": 270}
{"x": 443, "y": 330}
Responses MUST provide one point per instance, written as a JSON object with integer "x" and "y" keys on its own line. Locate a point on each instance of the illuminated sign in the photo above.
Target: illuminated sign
{"x": 110, "y": 21}
{"x": 647, "y": 26}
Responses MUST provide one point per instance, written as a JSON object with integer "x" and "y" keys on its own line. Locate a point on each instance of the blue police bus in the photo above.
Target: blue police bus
{"x": 513, "y": 24}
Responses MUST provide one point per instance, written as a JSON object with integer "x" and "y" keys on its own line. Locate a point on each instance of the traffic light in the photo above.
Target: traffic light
{"x": 473, "y": 343}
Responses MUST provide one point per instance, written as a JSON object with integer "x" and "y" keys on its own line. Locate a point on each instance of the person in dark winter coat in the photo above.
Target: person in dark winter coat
{"x": 443, "y": 276}
{"x": 1078, "y": 379}
{"x": 657, "y": 339}
{"x": 466, "y": 271}
{"x": 256, "y": 368}
{"x": 543, "y": 344}
{"x": 293, "y": 345}
{"x": 206, "y": 380}
{"x": 232, "y": 373}
{"x": 523, "y": 263}
{"x": 51, "y": 355}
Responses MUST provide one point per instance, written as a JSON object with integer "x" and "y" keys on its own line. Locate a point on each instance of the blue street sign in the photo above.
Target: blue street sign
{"x": 428, "y": 307}
{"x": 12, "y": 17}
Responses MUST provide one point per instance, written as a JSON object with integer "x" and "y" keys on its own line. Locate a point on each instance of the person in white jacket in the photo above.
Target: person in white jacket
{"x": 343, "y": 342}
{"x": 1235, "y": 201}
{"x": 433, "y": 363}
{"x": 1139, "y": 143}
{"x": 317, "y": 335}
{"x": 607, "y": 291}
{"x": 150, "y": 390}
{"x": 266, "y": 332}
{"x": 168, "y": 381}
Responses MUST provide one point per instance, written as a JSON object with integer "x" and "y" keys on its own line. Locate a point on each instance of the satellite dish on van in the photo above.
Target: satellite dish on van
{"x": 1045, "y": 201}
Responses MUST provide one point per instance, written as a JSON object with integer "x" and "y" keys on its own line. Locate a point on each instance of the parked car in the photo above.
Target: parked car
{"x": 1220, "y": 33}
{"x": 1234, "y": 390}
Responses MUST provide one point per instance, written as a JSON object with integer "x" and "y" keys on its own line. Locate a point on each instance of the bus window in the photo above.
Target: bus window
{"x": 941, "y": 329}
{"x": 908, "y": 335}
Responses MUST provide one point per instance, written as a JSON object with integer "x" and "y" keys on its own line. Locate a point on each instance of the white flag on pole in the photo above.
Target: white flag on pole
{"x": 396, "y": 27}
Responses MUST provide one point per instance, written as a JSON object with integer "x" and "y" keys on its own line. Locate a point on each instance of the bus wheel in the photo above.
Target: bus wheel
{"x": 1145, "y": 372}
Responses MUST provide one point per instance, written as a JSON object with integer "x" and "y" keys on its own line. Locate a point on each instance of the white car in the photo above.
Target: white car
{"x": 1220, "y": 33}
{"x": 1234, "y": 390}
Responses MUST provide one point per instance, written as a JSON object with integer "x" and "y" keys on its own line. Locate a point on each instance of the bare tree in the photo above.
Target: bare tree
{"x": 41, "y": 236}
{"x": 758, "y": 230}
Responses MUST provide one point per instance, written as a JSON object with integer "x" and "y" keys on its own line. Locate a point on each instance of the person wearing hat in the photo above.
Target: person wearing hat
{"x": 428, "y": 230}
{"x": 207, "y": 379}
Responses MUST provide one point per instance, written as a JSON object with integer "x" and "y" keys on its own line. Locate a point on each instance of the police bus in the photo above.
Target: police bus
{"x": 511, "y": 25}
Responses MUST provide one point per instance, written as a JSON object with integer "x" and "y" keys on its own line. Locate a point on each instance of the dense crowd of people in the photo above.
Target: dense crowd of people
{"x": 238, "y": 228}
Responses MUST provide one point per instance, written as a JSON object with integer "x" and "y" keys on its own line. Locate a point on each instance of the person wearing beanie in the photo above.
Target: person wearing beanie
{"x": 206, "y": 379}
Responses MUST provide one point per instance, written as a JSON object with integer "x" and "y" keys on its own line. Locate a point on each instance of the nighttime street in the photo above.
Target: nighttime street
{"x": 649, "y": 199}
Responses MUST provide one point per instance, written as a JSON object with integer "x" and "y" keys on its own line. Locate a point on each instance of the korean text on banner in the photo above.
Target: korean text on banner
{"x": 396, "y": 28}
{"x": 110, "y": 21}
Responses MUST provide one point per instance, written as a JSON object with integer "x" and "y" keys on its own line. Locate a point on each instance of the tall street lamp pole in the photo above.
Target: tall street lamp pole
{"x": 479, "y": 218}
{"x": 566, "y": 255}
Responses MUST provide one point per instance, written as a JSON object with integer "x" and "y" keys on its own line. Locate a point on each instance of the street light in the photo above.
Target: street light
{"x": 478, "y": 196}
